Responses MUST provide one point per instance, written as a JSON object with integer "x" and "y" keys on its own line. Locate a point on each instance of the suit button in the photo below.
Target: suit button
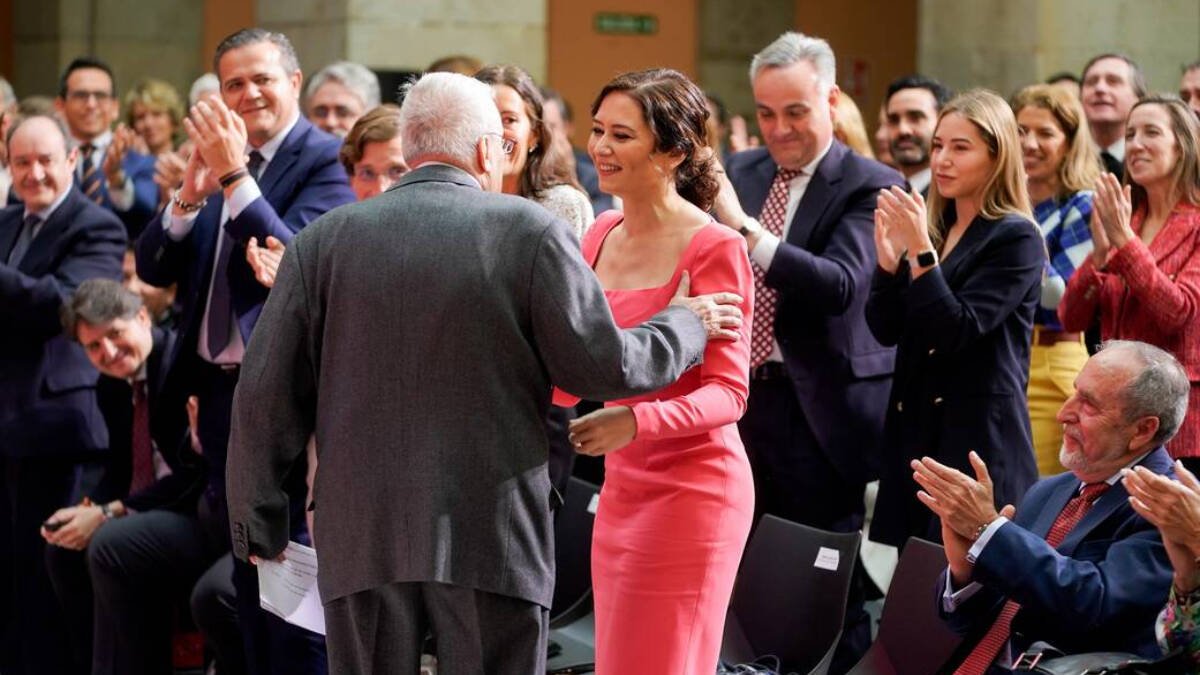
{"x": 938, "y": 400}
{"x": 899, "y": 406}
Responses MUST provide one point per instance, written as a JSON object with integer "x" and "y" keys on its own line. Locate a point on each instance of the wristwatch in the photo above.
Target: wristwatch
{"x": 106, "y": 511}
{"x": 926, "y": 258}
{"x": 749, "y": 226}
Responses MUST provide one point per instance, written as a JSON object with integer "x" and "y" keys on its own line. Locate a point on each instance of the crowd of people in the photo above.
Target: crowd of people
{"x": 414, "y": 315}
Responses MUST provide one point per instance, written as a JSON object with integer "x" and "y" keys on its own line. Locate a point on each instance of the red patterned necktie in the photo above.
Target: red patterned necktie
{"x": 774, "y": 212}
{"x": 990, "y": 644}
{"x": 142, "y": 445}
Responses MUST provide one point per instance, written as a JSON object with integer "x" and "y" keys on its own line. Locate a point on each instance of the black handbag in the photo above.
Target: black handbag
{"x": 1045, "y": 659}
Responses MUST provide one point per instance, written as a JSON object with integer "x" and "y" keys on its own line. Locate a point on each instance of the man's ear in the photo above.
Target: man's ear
{"x": 1144, "y": 430}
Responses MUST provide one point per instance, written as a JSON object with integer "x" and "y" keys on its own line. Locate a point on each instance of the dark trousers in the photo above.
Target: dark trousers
{"x": 381, "y": 631}
{"x": 794, "y": 479}
{"x": 142, "y": 568}
{"x": 31, "y": 623}
{"x": 274, "y": 646}
{"x": 214, "y": 609}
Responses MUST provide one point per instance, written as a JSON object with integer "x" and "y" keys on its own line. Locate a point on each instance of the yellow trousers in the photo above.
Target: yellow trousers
{"x": 1052, "y": 371}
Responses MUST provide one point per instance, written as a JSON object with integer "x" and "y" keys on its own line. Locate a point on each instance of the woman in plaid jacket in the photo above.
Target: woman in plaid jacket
{"x": 1143, "y": 277}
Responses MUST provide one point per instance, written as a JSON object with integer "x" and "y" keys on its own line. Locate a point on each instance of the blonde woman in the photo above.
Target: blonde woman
{"x": 956, "y": 288}
{"x": 848, "y": 127}
{"x": 153, "y": 110}
{"x": 1061, "y": 166}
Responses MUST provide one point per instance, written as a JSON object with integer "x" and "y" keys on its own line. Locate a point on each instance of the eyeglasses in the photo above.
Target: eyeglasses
{"x": 81, "y": 96}
{"x": 507, "y": 145}
{"x": 369, "y": 175}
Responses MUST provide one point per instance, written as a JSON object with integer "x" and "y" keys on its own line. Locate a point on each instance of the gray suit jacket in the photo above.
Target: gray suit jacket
{"x": 418, "y": 334}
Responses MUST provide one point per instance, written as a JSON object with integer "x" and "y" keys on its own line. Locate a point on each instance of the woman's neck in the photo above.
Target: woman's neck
{"x": 1161, "y": 198}
{"x": 652, "y": 210}
{"x": 1041, "y": 190}
{"x": 965, "y": 209}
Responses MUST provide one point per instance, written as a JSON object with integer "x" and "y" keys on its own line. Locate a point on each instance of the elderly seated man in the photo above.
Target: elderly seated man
{"x": 1073, "y": 565}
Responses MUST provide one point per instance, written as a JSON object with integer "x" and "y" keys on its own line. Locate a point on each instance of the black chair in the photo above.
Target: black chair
{"x": 572, "y": 640}
{"x": 789, "y": 600}
{"x": 912, "y": 639}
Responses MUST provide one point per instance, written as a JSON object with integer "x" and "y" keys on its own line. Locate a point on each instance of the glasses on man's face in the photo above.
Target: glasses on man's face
{"x": 369, "y": 175}
{"x": 81, "y": 96}
{"x": 506, "y": 144}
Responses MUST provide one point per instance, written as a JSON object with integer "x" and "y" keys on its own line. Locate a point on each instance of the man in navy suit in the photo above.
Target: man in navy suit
{"x": 259, "y": 170}
{"x": 107, "y": 170}
{"x": 1084, "y": 572}
{"x": 819, "y": 379}
{"x": 49, "y": 421}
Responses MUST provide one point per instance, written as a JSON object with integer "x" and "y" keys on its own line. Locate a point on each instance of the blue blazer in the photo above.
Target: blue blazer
{"x": 303, "y": 180}
{"x": 962, "y": 365}
{"x": 140, "y": 170}
{"x": 1100, "y": 590}
{"x": 47, "y": 385}
{"x": 841, "y": 374}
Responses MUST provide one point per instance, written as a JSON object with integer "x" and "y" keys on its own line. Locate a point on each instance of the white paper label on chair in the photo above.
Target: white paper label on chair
{"x": 595, "y": 504}
{"x": 827, "y": 559}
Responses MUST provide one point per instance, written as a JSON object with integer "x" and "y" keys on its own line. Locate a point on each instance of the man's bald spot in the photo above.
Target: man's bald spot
{"x": 40, "y": 124}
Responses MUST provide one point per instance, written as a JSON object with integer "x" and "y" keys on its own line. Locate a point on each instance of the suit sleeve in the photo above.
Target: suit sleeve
{"x": 1172, "y": 303}
{"x": 324, "y": 189}
{"x": 161, "y": 261}
{"x": 33, "y": 302}
{"x": 1002, "y": 275}
{"x": 274, "y": 411}
{"x": 885, "y": 308}
{"x": 140, "y": 169}
{"x": 724, "y": 376}
{"x": 585, "y": 353}
{"x": 826, "y": 282}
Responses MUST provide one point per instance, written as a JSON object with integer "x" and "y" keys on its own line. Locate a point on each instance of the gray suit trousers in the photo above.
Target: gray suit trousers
{"x": 380, "y": 631}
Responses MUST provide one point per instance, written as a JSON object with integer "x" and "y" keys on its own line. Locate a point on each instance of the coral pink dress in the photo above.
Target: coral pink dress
{"x": 678, "y": 501}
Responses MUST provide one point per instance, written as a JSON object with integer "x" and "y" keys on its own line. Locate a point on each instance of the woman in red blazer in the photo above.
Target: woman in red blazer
{"x": 1143, "y": 277}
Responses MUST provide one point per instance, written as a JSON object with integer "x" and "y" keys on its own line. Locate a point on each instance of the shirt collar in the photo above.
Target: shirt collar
{"x": 98, "y": 143}
{"x": 1117, "y": 149}
{"x": 921, "y": 179}
{"x": 469, "y": 175}
{"x": 1112, "y": 480}
{"x": 268, "y": 149}
{"x": 811, "y": 168}
{"x": 45, "y": 213}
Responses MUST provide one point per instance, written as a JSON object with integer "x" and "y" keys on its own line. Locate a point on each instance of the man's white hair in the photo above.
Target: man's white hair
{"x": 446, "y": 114}
{"x": 792, "y": 48}
{"x": 354, "y": 76}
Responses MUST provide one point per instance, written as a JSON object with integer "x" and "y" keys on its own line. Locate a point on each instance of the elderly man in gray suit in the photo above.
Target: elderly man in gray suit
{"x": 418, "y": 334}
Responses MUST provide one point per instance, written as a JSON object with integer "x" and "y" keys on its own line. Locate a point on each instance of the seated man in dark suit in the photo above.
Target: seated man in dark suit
{"x": 108, "y": 170}
{"x": 1075, "y": 566}
{"x": 150, "y": 473}
{"x": 49, "y": 422}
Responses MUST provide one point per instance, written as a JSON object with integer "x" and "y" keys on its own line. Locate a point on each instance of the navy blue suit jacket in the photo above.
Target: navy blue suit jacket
{"x": 962, "y": 366}
{"x": 841, "y": 374}
{"x": 47, "y": 385}
{"x": 302, "y": 181}
{"x": 140, "y": 170}
{"x": 1100, "y": 590}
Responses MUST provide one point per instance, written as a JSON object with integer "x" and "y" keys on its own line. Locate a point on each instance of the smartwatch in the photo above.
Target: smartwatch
{"x": 927, "y": 258}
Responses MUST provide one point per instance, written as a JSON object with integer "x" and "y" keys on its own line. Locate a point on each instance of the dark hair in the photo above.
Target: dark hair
{"x": 379, "y": 125}
{"x": 81, "y": 63}
{"x": 676, "y": 111}
{"x": 1063, "y": 75}
{"x": 456, "y": 63}
{"x": 941, "y": 93}
{"x": 97, "y": 302}
{"x": 1137, "y": 79}
{"x": 544, "y": 168}
{"x": 251, "y": 36}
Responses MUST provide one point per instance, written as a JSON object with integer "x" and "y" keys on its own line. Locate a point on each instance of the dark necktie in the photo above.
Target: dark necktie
{"x": 992, "y": 642}
{"x": 142, "y": 445}
{"x": 24, "y": 239}
{"x": 89, "y": 174}
{"x": 220, "y": 304}
{"x": 774, "y": 212}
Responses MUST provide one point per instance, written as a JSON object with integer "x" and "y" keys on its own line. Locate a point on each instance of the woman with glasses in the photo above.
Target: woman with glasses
{"x": 535, "y": 167}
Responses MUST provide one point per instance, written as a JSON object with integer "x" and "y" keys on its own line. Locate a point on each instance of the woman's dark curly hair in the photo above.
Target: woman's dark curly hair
{"x": 675, "y": 110}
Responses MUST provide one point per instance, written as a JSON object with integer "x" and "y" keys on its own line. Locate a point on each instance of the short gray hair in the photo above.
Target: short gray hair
{"x": 446, "y": 114}
{"x": 1159, "y": 389}
{"x": 792, "y": 48}
{"x": 354, "y": 76}
{"x": 203, "y": 84}
{"x": 7, "y": 96}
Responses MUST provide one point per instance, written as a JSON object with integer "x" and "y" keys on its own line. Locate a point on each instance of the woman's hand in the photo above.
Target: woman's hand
{"x": 886, "y": 249}
{"x": 905, "y": 215}
{"x": 265, "y": 261}
{"x": 603, "y": 431}
{"x": 1114, "y": 204}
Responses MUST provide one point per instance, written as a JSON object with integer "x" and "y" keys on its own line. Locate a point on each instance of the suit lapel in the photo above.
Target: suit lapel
{"x": 1054, "y": 505}
{"x": 817, "y": 196}
{"x": 50, "y": 232}
{"x": 1114, "y": 498}
{"x": 1181, "y": 226}
{"x": 964, "y": 251}
{"x": 758, "y": 187}
{"x": 284, "y": 158}
{"x": 9, "y": 231}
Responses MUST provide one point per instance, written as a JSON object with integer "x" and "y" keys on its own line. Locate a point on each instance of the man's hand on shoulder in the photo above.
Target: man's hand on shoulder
{"x": 719, "y": 312}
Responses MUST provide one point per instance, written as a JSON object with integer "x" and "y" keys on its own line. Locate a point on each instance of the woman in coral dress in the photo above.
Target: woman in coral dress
{"x": 678, "y": 496}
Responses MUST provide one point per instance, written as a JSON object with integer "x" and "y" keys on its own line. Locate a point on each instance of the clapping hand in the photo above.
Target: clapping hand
{"x": 265, "y": 260}
{"x": 1112, "y": 209}
{"x": 905, "y": 216}
{"x": 603, "y": 431}
{"x": 739, "y": 135}
{"x": 123, "y": 140}
{"x": 1174, "y": 508}
{"x": 888, "y": 248}
{"x": 199, "y": 181}
{"x": 169, "y": 170}
{"x": 219, "y": 136}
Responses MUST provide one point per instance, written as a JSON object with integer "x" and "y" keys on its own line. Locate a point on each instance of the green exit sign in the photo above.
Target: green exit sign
{"x": 626, "y": 24}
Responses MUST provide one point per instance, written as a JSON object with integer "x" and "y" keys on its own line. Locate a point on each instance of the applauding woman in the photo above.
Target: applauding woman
{"x": 1143, "y": 277}
{"x": 678, "y": 496}
{"x": 955, "y": 290}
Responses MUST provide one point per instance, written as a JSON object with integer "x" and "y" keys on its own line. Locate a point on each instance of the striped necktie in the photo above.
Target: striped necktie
{"x": 90, "y": 178}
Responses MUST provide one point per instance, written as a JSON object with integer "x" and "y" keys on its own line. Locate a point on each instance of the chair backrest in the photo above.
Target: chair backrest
{"x": 915, "y": 638}
{"x": 789, "y": 600}
{"x": 573, "y": 553}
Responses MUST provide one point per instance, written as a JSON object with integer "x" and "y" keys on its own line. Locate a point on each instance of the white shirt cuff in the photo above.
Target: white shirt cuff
{"x": 245, "y": 193}
{"x": 122, "y": 196}
{"x": 976, "y": 549}
{"x": 178, "y": 227}
{"x": 764, "y": 251}
{"x": 951, "y": 599}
